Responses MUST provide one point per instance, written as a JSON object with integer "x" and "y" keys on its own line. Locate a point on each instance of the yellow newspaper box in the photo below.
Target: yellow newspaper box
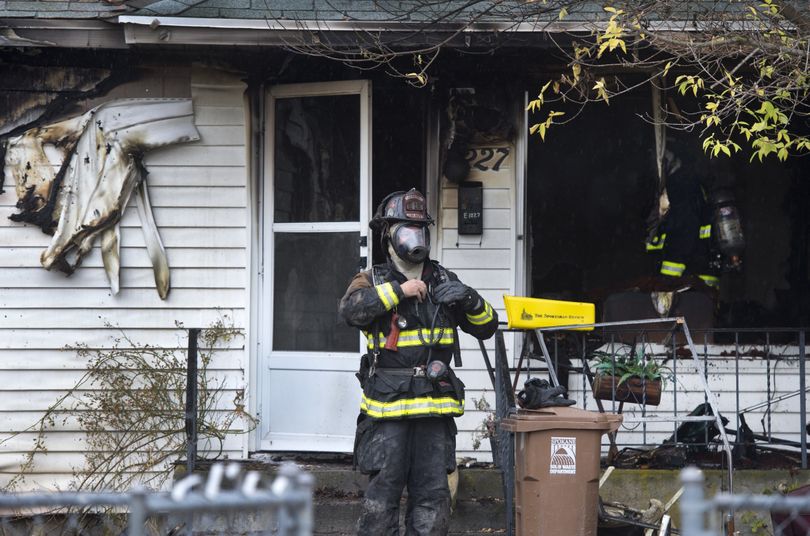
{"x": 532, "y": 313}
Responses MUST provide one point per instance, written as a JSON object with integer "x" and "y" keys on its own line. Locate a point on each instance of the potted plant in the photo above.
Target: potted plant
{"x": 633, "y": 378}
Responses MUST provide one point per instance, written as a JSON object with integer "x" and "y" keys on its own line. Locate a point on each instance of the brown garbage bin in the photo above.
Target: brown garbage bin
{"x": 557, "y": 454}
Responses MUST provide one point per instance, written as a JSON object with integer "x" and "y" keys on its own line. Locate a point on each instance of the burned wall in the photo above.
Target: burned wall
{"x": 199, "y": 194}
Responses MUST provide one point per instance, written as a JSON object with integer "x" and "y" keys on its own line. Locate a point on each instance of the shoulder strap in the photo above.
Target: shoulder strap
{"x": 376, "y": 279}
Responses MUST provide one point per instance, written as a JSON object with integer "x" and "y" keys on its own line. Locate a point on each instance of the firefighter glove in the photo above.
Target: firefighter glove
{"x": 538, "y": 393}
{"x": 451, "y": 292}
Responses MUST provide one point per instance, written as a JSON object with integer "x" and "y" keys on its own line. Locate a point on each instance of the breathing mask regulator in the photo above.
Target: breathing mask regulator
{"x": 410, "y": 242}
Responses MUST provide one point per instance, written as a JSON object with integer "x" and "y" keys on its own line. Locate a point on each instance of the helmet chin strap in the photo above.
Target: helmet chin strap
{"x": 408, "y": 269}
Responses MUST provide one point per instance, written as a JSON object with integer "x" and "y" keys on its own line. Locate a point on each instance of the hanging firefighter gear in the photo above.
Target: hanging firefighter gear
{"x": 405, "y": 432}
{"x": 684, "y": 237}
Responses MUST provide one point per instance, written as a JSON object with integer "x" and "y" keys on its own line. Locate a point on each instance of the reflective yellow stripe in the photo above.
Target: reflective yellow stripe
{"x": 410, "y": 407}
{"x": 656, "y": 243}
{"x": 674, "y": 269}
{"x": 710, "y": 280}
{"x": 418, "y": 337}
{"x": 482, "y": 317}
{"x": 705, "y": 231}
{"x": 387, "y": 295}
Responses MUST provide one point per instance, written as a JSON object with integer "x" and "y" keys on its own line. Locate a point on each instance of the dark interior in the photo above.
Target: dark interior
{"x": 398, "y": 142}
{"x": 587, "y": 212}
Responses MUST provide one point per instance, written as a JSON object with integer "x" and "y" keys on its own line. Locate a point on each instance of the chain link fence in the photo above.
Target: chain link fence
{"x": 727, "y": 514}
{"x": 229, "y": 502}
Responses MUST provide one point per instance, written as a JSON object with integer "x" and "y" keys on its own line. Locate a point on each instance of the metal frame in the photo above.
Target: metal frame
{"x": 699, "y": 367}
{"x": 505, "y": 403}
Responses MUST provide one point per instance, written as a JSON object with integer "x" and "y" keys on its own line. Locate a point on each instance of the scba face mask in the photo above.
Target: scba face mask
{"x": 411, "y": 242}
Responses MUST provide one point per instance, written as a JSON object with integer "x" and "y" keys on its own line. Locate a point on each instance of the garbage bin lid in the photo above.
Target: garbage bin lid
{"x": 556, "y": 418}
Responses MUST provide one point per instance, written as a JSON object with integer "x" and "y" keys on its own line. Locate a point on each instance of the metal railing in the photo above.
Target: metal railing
{"x": 758, "y": 375}
{"x": 229, "y": 502}
{"x": 778, "y": 515}
{"x": 696, "y": 353}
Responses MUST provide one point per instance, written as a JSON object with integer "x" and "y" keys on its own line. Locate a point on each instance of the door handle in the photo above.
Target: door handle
{"x": 361, "y": 264}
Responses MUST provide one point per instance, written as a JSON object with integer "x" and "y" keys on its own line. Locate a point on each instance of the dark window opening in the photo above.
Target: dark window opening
{"x": 591, "y": 186}
{"x": 398, "y": 144}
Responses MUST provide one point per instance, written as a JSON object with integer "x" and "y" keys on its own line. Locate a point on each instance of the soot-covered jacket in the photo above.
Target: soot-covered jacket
{"x": 392, "y": 387}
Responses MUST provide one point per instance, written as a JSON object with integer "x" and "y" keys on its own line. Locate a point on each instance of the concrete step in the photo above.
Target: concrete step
{"x": 479, "y": 507}
{"x": 337, "y": 517}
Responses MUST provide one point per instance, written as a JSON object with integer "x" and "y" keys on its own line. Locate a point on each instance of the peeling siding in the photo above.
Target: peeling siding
{"x": 199, "y": 198}
{"x": 485, "y": 263}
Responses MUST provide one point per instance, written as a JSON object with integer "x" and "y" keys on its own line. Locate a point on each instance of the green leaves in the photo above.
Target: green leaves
{"x": 612, "y": 36}
{"x": 687, "y": 82}
{"x": 418, "y": 79}
{"x": 630, "y": 365}
{"x": 541, "y": 128}
{"x": 746, "y": 85}
{"x": 601, "y": 89}
{"x": 535, "y": 104}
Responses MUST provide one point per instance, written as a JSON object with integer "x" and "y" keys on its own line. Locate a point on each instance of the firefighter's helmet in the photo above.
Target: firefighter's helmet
{"x": 409, "y": 207}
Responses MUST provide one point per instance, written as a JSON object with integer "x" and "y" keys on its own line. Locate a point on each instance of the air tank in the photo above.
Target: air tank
{"x": 728, "y": 230}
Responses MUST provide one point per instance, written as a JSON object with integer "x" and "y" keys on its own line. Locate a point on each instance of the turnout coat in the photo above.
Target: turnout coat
{"x": 405, "y": 335}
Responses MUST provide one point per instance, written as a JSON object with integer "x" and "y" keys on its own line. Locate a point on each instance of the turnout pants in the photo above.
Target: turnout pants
{"x": 416, "y": 454}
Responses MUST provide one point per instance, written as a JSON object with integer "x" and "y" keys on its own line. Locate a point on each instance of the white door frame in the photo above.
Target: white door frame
{"x": 262, "y": 353}
{"x": 522, "y": 259}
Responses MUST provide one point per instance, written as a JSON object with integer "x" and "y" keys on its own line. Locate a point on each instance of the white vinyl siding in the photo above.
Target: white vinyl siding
{"x": 486, "y": 263}
{"x": 199, "y": 194}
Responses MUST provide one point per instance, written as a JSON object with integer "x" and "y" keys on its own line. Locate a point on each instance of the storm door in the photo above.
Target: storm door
{"x": 316, "y": 210}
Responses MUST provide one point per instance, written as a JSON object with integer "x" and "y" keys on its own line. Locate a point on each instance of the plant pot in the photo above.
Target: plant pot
{"x": 633, "y": 390}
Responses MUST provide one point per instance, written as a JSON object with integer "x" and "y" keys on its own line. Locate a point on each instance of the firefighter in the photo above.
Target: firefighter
{"x": 409, "y": 308}
{"x": 683, "y": 239}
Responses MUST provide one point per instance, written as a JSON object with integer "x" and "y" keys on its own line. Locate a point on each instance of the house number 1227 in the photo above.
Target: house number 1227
{"x": 487, "y": 158}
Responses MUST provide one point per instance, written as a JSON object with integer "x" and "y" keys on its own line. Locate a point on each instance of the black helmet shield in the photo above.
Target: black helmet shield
{"x": 402, "y": 218}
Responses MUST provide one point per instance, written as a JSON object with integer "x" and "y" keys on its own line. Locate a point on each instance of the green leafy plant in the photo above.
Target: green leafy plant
{"x": 757, "y": 525}
{"x": 630, "y": 365}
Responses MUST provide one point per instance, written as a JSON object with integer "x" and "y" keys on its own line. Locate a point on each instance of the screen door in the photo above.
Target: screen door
{"x": 316, "y": 210}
